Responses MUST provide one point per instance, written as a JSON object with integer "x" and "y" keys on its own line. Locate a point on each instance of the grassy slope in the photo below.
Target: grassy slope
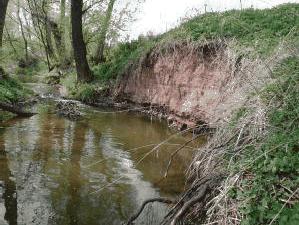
{"x": 260, "y": 30}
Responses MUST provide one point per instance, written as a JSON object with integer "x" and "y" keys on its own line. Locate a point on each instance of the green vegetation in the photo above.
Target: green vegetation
{"x": 11, "y": 91}
{"x": 260, "y": 30}
{"x": 272, "y": 192}
{"x": 120, "y": 57}
{"x": 85, "y": 92}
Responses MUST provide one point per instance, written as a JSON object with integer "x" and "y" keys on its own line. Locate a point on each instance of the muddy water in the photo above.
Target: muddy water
{"x": 57, "y": 171}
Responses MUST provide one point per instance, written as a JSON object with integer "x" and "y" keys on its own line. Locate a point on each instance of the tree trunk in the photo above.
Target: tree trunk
{"x": 3, "y": 7}
{"x": 82, "y": 67}
{"x": 39, "y": 27}
{"x": 22, "y": 32}
{"x": 62, "y": 25}
{"x": 45, "y": 8}
{"x": 99, "y": 54}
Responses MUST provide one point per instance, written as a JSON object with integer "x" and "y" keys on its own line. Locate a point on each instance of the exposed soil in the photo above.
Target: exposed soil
{"x": 187, "y": 84}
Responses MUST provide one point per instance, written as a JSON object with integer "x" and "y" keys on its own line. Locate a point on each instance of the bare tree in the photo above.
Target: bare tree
{"x": 3, "y": 8}
{"x": 22, "y": 31}
{"x": 99, "y": 54}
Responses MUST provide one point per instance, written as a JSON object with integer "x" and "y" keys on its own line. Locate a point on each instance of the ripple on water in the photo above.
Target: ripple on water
{"x": 56, "y": 171}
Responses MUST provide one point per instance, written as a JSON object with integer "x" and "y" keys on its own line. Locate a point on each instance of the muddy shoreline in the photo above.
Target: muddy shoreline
{"x": 153, "y": 111}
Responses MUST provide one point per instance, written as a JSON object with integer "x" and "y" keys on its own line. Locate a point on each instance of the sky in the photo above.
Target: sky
{"x": 159, "y": 16}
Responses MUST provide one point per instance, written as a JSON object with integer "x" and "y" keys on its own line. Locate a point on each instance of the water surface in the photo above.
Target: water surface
{"x": 57, "y": 171}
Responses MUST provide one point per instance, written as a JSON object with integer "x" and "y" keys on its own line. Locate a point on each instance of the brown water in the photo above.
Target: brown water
{"x": 57, "y": 171}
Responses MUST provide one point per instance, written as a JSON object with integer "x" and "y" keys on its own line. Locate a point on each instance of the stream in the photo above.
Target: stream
{"x": 54, "y": 171}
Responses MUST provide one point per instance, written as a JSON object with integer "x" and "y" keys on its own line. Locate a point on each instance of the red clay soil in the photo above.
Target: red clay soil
{"x": 190, "y": 83}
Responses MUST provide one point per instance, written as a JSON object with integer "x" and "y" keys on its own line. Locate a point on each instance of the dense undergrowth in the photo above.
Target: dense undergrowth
{"x": 268, "y": 192}
{"x": 273, "y": 192}
{"x": 11, "y": 92}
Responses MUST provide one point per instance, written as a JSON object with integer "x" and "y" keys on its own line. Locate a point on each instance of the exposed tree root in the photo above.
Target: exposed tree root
{"x": 161, "y": 200}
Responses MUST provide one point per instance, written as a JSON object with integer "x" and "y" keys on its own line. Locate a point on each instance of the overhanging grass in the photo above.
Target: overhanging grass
{"x": 260, "y": 30}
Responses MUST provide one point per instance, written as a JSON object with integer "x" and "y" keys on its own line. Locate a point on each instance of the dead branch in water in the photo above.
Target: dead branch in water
{"x": 200, "y": 192}
{"x": 181, "y": 213}
{"x": 161, "y": 200}
{"x": 15, "y": 110}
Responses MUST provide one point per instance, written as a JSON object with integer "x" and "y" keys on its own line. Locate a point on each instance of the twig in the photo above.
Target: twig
{"x": 188, "y": 205}
{"x": 161, "y": 200}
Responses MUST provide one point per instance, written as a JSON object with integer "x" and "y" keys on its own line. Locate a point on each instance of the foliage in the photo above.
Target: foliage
{"x": 120, "y": 57}
{"x": 85, "y": 92}
{"x": 4, "y": 116}
{"x": 11, "y": 91}
{"x": 275, "y": 165}
{"x": 88, "y": 93}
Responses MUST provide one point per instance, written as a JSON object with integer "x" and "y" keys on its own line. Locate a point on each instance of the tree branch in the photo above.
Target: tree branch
{"x": 189, "y": 204}
{"x": 161, "y": 200}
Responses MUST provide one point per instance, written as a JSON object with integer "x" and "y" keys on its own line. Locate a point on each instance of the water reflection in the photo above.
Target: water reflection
{"x": 56, "y": 171}
{"x": 8, "y": 205}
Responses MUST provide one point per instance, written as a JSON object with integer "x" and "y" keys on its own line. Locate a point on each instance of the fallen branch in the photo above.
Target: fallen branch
{"x": 15, "y": 110}
{"x": 161, "y": 200}
{"x": 198, "y": 192}
{"x": 188, "y": 205}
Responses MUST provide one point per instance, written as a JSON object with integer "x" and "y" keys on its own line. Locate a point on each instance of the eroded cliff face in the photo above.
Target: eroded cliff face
{"x": 194, "y": 84}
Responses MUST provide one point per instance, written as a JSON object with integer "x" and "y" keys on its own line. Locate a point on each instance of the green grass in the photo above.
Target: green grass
{"x": 259, "y": 30}
{"x": 276, "y": 161}
{"x": 85, "y": 92}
